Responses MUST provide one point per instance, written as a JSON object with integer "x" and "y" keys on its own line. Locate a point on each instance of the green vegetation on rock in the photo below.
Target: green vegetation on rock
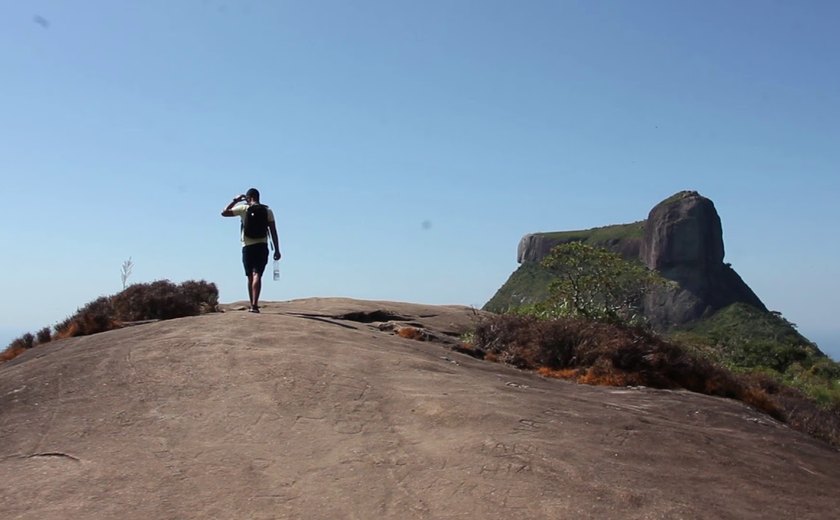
{"x": 594, "y": 283}
{"x": 601, "y": 235}
{"x": 526, "y": 286}
{"x": 677, "y": 197}
{"x": 749, "y": 340}
{"x": 740, "y": 332}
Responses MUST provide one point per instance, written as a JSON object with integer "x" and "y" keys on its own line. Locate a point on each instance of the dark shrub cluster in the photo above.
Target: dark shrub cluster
{"x": 800, "y": 411}
{"x": 609, "y": 354}
{"x": 160, "y": 300}
{"x": 17, "y": 347}
{"x": 206, "y": 294}
{"x": 27, "y": 340}
{"x": 530, "y": 342}
{"x": 600, "y": 353}
{"x": 12, "y": 351}
{"x": 44, "y": 335}
{"x": 96, "y": 316}
{"x": 163, "y": 300}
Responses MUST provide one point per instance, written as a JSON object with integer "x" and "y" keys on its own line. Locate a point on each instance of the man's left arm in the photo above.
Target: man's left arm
{"x": 273, "y": 228}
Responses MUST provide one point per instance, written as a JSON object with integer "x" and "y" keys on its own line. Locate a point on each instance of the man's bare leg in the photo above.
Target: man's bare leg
{"x": 254, "y": 290}
{"x": 250, "y": 291}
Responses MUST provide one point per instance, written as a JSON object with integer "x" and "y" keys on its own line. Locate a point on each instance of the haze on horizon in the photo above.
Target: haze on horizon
{"x": 407, "y": 147}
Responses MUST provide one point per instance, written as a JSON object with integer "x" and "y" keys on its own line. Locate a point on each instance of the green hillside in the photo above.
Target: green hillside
{"x": 746, "y": 339}
{"x": 528, "y": 284}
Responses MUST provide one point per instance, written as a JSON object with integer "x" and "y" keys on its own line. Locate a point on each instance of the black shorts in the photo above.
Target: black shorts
{"x": 254, "y": 258}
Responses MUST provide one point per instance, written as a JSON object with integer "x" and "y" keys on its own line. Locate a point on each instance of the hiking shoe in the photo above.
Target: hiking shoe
{"x": 254, "y": 309}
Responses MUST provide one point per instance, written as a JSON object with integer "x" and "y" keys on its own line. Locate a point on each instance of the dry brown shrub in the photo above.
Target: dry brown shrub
{"x": 163, "y": 300}
{"x": 602, "y": 378}
{"x": 759, "y": 399}
{"x": 156, "y": 300}
{"x": 17, "y": 347}
{"x": 96, "y": 316}
{"x": 559, "y": 373}
{"x": 10, "y": 353}
{"x": 803, "y": 414}
{"x": 463, "y": 346}
{"x": 603, "y": 354}
{"x": 411, "y": 333}
{"x": 67, "y": 329}
{"x": 527, "y": 342}
{"x": 603, "y": 373}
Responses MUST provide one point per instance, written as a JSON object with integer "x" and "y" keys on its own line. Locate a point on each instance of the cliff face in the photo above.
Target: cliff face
{"x": 534, "y": 246}
{"x": 684, "y": 242}
{"x": 683, "y": 232}
{"x": 682, "y": 239}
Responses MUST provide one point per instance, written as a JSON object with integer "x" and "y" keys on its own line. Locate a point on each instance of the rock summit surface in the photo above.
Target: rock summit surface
{"x": 328, "y": 409}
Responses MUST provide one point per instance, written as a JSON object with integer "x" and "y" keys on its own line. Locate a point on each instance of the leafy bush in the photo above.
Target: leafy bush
{"x": 596, "y": 284}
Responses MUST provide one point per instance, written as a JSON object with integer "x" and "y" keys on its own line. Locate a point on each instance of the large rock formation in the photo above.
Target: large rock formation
{"x": 682, "y": 239}
{"x": 683, "y": 232}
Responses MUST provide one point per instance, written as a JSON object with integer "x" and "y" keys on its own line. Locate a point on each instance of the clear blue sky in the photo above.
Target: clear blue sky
{"x": 407, "y": 146}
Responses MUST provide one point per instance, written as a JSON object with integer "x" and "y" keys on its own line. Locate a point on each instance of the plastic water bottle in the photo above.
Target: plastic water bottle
{"x": 276, "y": 270}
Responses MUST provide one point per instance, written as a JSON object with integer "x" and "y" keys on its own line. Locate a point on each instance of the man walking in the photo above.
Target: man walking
{"x": 257, "y": 221}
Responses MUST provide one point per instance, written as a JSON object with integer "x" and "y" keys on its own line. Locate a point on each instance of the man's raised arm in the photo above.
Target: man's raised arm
{"x": 227, "y": 212}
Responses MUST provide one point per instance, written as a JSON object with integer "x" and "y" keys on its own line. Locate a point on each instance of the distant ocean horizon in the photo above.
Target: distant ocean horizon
{"x": 829, "y": 343}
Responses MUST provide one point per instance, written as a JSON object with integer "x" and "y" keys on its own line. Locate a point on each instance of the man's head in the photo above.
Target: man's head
{"x": 252, "y": 195}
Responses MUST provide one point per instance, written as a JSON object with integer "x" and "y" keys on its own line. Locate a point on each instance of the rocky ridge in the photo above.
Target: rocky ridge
{"x": 324, "y": 408}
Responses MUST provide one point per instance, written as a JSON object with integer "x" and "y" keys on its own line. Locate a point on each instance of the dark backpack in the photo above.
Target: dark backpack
{"x": 256, "y": 221}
